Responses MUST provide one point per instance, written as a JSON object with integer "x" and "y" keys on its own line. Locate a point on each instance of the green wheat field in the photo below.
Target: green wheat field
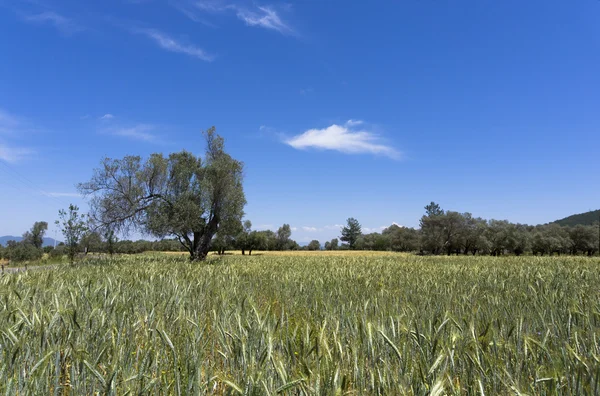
{"x": 303, "y": 324}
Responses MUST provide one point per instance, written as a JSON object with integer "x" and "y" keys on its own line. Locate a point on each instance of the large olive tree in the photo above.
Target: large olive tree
{"x": 180, "y": 195}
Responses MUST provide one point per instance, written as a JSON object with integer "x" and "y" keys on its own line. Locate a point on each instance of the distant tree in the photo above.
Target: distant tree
{"x": 327, "y": 245}
{"x": 314, "y": 245}
{"x": 401, "y": 239}
{"x": 432, "y": 229}
{"x": 227, "y": 236}
{"x": 73, "y": 226}
{"x": 583, "y": 239}
{"x": 293, "y": 245}
{"x": 19, "y": 252}
{"x": 35, "y": 236}
{"x": 334, "y": 244}
{"x": 58, "y": 252}
{"x": 497, "y": 234}
{"x": 180, "y": 195}
{"x": 452, "y": 228}
{"x": 110, "y": 240}
{"x": 242, "y": 239}
{"x": 473, "y": 239}
{"x": 91, "y": 241}
{"x": 518, "y": 239}
{"x": 283, "y": 237}
{"x": 351, "y": 232}
{"x": 256, "y": 241}
{"x": 373, "y": 241}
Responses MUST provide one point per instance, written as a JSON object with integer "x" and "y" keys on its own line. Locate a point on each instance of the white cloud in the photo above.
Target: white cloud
{"x": 310, "y": 229}
{"x": 344, "y": 139}
{"x": 137, "y": 132}
{"x": 107, "y": 116}
{"x": 63, "y": 24}
{"x": 334, "y": 227}
{"x": 167, "y": 43}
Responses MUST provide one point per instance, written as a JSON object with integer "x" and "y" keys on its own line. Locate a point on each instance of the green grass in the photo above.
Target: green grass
{"x": 303, "y": 325}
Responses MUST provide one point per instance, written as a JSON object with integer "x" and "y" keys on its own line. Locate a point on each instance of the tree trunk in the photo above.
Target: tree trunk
{"x": 243, "y": 252}
{"x": 250, "y": 252}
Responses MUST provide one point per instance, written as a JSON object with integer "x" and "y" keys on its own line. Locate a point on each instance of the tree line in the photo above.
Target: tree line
{"x": 196, "y": 205}
{"x": 449, "y": 232}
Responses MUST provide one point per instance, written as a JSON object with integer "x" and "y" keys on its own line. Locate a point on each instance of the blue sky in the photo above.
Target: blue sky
{"x": 337, "y": 108}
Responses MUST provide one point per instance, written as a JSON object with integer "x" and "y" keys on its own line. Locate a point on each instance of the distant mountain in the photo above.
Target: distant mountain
{"x": 5, "y": 239}
{"x": 587, "y": 218}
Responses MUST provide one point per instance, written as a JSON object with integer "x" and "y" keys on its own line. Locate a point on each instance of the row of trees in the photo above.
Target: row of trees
{"x": 199, "y": 202}
{"x": 29, "y": 248}
{"x": 73, "y": 226}
{"x": 448, "y": 232}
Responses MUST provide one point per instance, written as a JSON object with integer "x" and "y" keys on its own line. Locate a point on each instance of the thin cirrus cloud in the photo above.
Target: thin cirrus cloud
{"x": 262, "y": 16}
{"x": 140, "y": 132}
{"x": 61, "y": 23}
{"x": 107, "y": 117}
{"x": 13, "y": 127}
{"x": 346, "y": 138}
{"x": 168, "y": 43}
{"x": 14, "y": 154}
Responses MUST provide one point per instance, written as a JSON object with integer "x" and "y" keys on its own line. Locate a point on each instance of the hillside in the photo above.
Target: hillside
{"x": 6, "y": 238}
{"x": 587, "y": 218}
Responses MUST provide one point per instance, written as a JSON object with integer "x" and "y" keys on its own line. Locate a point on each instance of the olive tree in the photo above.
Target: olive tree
{"x": 73, "y": 227}
{"x": 35, "y": 236}
{"x": 180, "y": 195}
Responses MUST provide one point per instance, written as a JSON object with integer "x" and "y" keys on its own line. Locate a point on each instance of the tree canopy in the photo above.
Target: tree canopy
{"x": 180, "y": 195}
{"x": 351, "y": 232}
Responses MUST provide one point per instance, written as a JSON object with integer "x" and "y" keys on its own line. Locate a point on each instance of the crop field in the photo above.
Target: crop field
{"x": 303, "y": 324}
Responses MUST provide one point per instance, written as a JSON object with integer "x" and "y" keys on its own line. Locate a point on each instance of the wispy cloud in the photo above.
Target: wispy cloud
{"x": 8, "y": 122}
{"x": 263, "y": 16}
{"x": 61, "y": 23}
{"x": 170, "y": 44}
{"x": 344, "y": 138}
{"x": 11, "y": 128}
{"x": 141, "y": 132}
{"x": 310, "y": 229}
{"x": 189, "y": 11}
{"x": 14, "y": 154}
{"x": 107, "y": 116}
{"x": 352, "y": 123}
